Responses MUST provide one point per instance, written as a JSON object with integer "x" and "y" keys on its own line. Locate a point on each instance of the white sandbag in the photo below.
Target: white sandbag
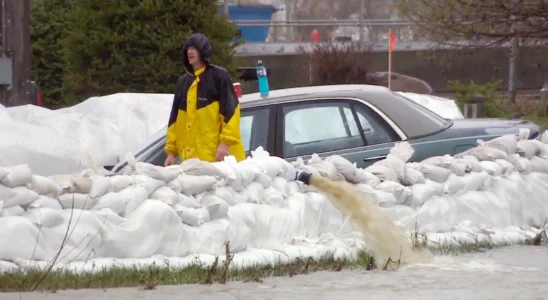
{"x": 191, "y": 185}
{"x": 344, "y": 167}
{"x": 539, "y": 165}
{"x": 77, "y": 201}
{"x": 402, "y": 150}
{"x": 100, "y": 186}
{"x": 281, "y": 185}
{"x": 20, "y": 196}
{"x": 253, "y": 193}
{"x": 522, "y": 164}
{"x": 19, "y": 175}
{"x": 458, "y": 168}
{"x": 471, "y": 163}
{"x": 120, "y": 182}
{"x": 264, "y": 180}
{"x": 507, "y": 167}
{"x": 45, "y": 186}
{"x": 491, "y": 168}
{"x": 196, "y": 167}
{"x": 44, "y": 217}
{"x": 73, "y": 183}
{"x": 324, "y": 168}
{"x": 274, "y": 198}
{"x": 164, "y": 174}
{"x": 46, "y": 202}
{"x": 216, "y": 207}
{"x": 272, "y": 165}
{"x": 454, "y": 184}
{"x": 133, "y": 197}
{"x": 395, "y": 164}
{"x": 506, "y": 143}
{"x": 484, "y": 152}
{"x": 363, "y": 176}
{"x": 12, "y": 211}
{"x": 226, "y": 193}
{"x": 385, "y": 199}
{"x": 544, "y": 137}
{"x": 3, "y": 172}
{"x": 399, "y": 191}
{"x": 439, "y": 161}
{"x": 423, "y": 192}
{"x": 431, "y": 172}
{"x": 384, "y": 173}
{"x": 475, "y": 181}
{"x": 369, "y": 193}
{"x": 188, "y": 201}
{"x": 412, "y": 176}
{"x": 112, "y": 201}
{"x": 529, "y": 148}
{"x": 148, "y": 183}
{"x": 192, "y": 216}
{"x": 166, "y": 195}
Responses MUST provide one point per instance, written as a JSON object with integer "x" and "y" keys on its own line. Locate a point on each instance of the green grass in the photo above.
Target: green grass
{"x": 34, "y": 279}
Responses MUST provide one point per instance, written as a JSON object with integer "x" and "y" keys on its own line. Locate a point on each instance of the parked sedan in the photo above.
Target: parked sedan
{"x": 359, "y": 122}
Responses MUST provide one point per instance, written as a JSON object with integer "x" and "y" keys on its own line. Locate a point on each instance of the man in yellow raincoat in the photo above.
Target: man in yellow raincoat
{"x": 205, "y": 117}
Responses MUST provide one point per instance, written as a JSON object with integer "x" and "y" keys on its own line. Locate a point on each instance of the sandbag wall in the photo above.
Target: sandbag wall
{"x": 197, "y": 207}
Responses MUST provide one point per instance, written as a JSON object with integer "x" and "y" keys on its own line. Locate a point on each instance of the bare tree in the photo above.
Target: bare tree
{"x": 480, "y": 23}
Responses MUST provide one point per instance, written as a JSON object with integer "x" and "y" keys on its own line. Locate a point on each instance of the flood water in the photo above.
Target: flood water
{"x": 518, "y": 272}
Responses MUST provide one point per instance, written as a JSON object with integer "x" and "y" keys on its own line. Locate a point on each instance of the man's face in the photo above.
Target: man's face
{"x": 193, "y": 56}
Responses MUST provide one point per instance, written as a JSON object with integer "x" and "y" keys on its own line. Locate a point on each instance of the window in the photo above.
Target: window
{"x": 254, "y": 127}
{"x": 375, "y": 129}
{"x": 319, "y": 127}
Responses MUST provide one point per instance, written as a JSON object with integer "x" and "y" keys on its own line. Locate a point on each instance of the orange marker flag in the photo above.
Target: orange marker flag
{"x": 392, "y": 41}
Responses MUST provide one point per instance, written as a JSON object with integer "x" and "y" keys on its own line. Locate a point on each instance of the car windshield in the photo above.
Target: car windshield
{"x": 427, "y": 113}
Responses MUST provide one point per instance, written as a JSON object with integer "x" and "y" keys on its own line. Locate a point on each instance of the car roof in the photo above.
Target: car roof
{"x": 412, "y": 118}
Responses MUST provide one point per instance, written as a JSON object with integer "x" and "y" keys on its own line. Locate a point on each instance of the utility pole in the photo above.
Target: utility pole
{"x": 17, "y": 38}
{"x": 512, "y": 67}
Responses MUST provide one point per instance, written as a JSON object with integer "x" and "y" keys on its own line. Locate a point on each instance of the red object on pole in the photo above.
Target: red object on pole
{"x": 392, "y": 41}
{"x": 238, "y": 89}
{"x": 315, "y": 35}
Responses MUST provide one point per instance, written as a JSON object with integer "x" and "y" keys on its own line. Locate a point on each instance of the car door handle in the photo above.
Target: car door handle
{"x": 374, "y": 158}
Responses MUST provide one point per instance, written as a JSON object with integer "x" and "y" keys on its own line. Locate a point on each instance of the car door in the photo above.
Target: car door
{"x": 345, "y": 127}
{"x": 256, "y": 128}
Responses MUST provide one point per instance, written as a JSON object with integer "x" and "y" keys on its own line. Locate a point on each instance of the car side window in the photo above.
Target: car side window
{"x": 254, "y": 128}
{"x": 375, "y": 129}
{"x": 319, "y": 127}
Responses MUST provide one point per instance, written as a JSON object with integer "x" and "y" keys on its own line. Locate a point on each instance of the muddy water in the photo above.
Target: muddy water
{"x": 509, "y": 273}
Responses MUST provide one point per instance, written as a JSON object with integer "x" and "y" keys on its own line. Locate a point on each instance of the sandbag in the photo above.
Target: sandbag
{"x": 539, "y": 165}
{"x": 12, "y": 211}
{"x": 45, "y": 186}
{"x": 529, "y": 148}
{"x": 423, "y": 192}
{"x": 324, "y": 168}
{"x": 506, "y": 143}
{"x": 521, "y": 164}
{"x": 73, "y": 183}
{"x": 264, "y": 180}
{"x": 100, "y": 185}
{"x": 165, "y": 194}
{"x": 383, "y": 172}
{"x": 77, "y": 201}
{"x": 191, "y": 185}
{"x": 343, "y": 167}
{"x": 484, "y": 152}
{"x": 46, "y": 202}
{"x": 507, "y": 167}
{"x": 399, "y": 191}
{"x": 363, "y": 176}
{"x": 431, "y": 172}
{"x": 120, "y": 182}
{"x": 454, "y": 184}
{"x": 491, "y": 168}
{"x": 148, "y": 183}
{"x": 216, "y": 207}
{"x": 475, "y": 181}
{"x": 3, "y": 172}
{"x": 395, "y": 164}
{"x": 471, "y": 163}
{"x": 44, "y": 217}
{"x": 18, "y": 196}
{"x": 412, "y": 176}
{"x": 196, "y": 167}
{"x": 274, "y": 198}
{"x": 19, "y": 175}
{"x": 164, "y": 174}
{"x": 192, "y": 216}
{"x": 543, "y": 138}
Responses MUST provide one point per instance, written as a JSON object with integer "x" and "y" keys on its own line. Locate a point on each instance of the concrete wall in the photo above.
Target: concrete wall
{"x": 435, "y": 67}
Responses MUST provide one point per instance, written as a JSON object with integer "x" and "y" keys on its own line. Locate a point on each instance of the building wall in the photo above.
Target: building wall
{"x": 435, "y": 67}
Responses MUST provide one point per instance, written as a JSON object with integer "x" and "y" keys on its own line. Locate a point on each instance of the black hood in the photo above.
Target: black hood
{"x": 201, "y": 43}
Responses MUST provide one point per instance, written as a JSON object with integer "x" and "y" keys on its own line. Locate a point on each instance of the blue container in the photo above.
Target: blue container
{"x": 262, "y": 78}
{"x": 257, "y": 34}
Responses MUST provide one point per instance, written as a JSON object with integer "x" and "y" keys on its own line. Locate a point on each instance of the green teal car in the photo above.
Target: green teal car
{"x": 359, "y": 122}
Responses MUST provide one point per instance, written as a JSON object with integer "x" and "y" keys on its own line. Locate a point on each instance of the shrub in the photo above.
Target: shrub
{"x": 48, "y": 24}
{"x": 136, "y": 45}
{"x": 338, "y": 64}
{"x": 495, "y": 106}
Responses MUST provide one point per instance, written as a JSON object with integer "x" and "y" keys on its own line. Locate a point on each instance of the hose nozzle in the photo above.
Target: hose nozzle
{"x": 303, "y": 177}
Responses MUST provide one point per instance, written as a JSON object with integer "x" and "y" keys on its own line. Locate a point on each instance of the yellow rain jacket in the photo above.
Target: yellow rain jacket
{"x": 205, "y": 111}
